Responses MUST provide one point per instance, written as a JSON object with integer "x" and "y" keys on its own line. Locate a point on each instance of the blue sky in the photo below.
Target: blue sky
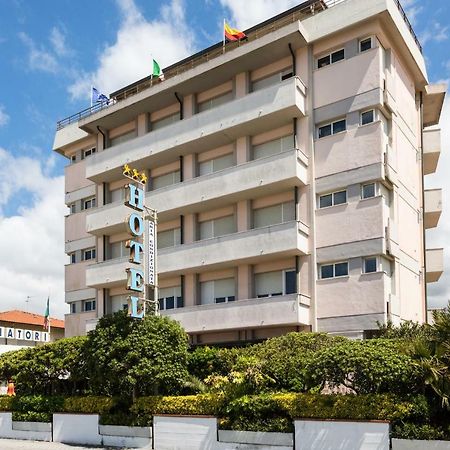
{"x": 52, "y": 51}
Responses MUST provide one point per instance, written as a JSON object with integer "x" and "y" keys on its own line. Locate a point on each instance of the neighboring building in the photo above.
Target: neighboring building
{"x": 20, "y": 329}
{"x": 288, "y": 174}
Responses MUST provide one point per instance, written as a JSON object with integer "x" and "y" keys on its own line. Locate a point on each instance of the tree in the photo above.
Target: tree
{"x": 128, "y": 357}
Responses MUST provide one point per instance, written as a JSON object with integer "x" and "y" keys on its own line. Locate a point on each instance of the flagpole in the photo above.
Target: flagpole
{"x": 223, "y": 32}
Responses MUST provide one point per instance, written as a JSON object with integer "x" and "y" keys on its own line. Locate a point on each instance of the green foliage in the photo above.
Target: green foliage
{"x": 35, "y": 408}
{"x": 191, "y": 405}
{"x": 365, "y": 367}
{"x": 285, "y": 359}
{"x": 206, "y": 361}
{"x": 419, "y": 432}
{"x": 32, "y": 416}
{"x": 128, "y": 357}
{"x": 53, "y": 368}
{"x": 88, "y": 405}
{"x": 406, "y": 330}
{"x": 5, "y": 403}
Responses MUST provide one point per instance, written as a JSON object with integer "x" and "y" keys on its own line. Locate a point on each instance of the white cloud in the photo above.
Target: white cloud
{"x": 32, "y": 238}
{"x": 412, "y": 9}
{"x": 128, "y": 59}
{"x": 254, "y": 11}
{"x": 435, "y": 32}
{"x": 439, "y": 293}
{"x": 38, "y": 57}
{"x": 4, "y": 118}
{"x": 58, "y": 41}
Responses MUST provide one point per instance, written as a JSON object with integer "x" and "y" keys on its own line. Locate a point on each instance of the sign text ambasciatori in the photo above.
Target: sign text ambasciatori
{"x": 23, "y": 335}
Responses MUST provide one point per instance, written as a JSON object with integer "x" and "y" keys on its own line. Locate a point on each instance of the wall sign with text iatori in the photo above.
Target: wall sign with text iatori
{"x": 141, "y": 225}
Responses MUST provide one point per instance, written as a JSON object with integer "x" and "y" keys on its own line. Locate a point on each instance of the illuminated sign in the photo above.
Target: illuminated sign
{"x": 24, "y": 335}
{"x": 136, "y": 223}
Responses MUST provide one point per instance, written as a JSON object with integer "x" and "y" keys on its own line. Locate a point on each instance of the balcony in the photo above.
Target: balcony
{"x": 75, "y": 177}
{"x": 435, "y": 264}
{"x": 433, "y": 207}
{"x": 262, "y": 177}
{"x": 256, "y": 112}
{"x": 277, "y": 241}
{"x": 75, "y": 226}
{"x": 286, "y": 310}
{"x": 75, "y": 276}
{"x": 431, "y": 150}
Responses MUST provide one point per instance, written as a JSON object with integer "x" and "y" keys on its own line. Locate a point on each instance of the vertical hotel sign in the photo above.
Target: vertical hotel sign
{"x": 138, "y": 278}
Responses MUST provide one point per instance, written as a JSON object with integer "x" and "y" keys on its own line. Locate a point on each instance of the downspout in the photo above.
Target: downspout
{"x": 312, "y": 197}
{"x": 181, "y": 169}
{"x": 181, "y": 105}
{"x": 104, "y": 136}
{"x": 423, "y": 211}
{"x": 294, "y": 60}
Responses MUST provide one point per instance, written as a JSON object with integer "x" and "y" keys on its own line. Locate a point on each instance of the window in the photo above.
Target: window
{"x": 272, "y": 215}
{"x": 73, "y": 308}
{"x": 334, "y": 270}
{"x": 332, "y": 128}
{"x": 89, "y": 305}
{"x": 217, "y": 291}
{"x": 367, "y": 117}
{"x": 123, "y": 138}
{"x": 89, "y": 152}
{"x": 214, "y": 165}
{"x": 365, "y": 44}
{"x": 170, "y": 298}
{"x": 89, "y": 203}
{"x": 272, "y": 284}
{"x": 272, "y": 79}
{"x": 73, "y": 159}
{"x": 368, "y": 190}
{"x": 216, "y": 101}
{"x": 89, "y": 254}
{"x": 333, "y": 199}
{"x": 73, "y": 208}
{"x": 217, "y": 227}
{"x": 166, "y": 180}
{"x": 273, "y": 147}
{"x": 117, "y": 195}
{"x": 331, "y": 58}
{"x": 370, "y": 265}
{"x": 73, "y": 258}
{"x": 169, "y": 238}
{"x": 161, "y": 123}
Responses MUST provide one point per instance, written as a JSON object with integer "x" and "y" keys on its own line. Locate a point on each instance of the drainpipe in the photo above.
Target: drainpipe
{"x": 104, "y": 137}
{"x": 423, "y": 211}
{"x": 181, "y": 105}
{"x": 181, "y": 169}
{"x": 294, "y": 60}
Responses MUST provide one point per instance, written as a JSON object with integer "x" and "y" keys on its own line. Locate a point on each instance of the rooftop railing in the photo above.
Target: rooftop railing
{"x": 300, "y": 12}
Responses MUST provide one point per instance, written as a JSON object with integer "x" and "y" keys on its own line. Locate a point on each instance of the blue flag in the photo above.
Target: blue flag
{"x": 97, "y": 97}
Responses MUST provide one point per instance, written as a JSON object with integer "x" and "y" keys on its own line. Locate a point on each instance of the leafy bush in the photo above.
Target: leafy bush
{"x": 191, "y": 405}
{"x": 365, "y": 367}
{"x": 5, "y": 403}
{"x": 35, "y": 408}
{"x": 206, "y": 361}
{"x": 88, "y": 405}
{"x": 419, "y": 431}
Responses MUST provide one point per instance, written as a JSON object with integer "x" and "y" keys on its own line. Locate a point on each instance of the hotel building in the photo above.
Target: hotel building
{"x": 288, "y": 175}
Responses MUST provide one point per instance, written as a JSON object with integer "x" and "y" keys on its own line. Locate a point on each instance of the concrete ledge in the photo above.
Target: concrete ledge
{"x": 127, "y": 442}
{"x": 256, "y": 437}
{"x": 406, "y": 444}
{"x": 76, "y": 429}
{"x": 118, "y": 430}
{"x": 32, "y": 426}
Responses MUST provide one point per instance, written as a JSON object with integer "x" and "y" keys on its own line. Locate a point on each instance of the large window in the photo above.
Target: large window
{"x": 331, "y": 58}
{"x": 89, "y": 254}
{"x": 271, "y": 284}
{"x": 168, "y": 120}
{"x": 365, "y": 44}
{"x": 368, "y": 190}
{"x": 329, "y": 129}
{"x": 88, "y": 152}
{"x": 118, "y": 250}
{"x": 89, "y": 305}
{"x": 217, "y": 227}
{"x": 88, "y": 203}
{"x": 217, "y": 291}
{"x": 169, "y": 238}
{"x": 370, "y": 265}
{"x": 335, "y": 270}
{"x": 272, "y": 79}
{"x": 216, "y": 101}
{"x": 333, "y": 199}
{"x": 170, "y": 298}
{"x": 214, "y": 165}
{"x": 273, "y": 147}
{"x": 122, "y": 138}
{"x": 272, "y": 215}
{"x": 166, "y": 180}
{"x": 367, "y": 117}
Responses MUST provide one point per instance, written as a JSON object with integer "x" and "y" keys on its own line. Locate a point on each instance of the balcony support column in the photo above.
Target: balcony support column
{"x": 242, "y": 84}
{"x": 244, "y": 282}
{"x": 191, "y": 290}
{"x": 189, "y": 166}
{"x": 242, "y": 150}
{"x": 243, "y": 216}
{"x": 189, "y": 229}
{"x": 188, "y": 106}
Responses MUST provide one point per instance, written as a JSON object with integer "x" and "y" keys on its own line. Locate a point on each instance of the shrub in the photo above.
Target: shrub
{"x": 203, "y": 404}
{"x": 88, "y": 405}
{"x": 206, "y": 361}
{"x": 5, "y": 403}
{"x": 418, "y": 431}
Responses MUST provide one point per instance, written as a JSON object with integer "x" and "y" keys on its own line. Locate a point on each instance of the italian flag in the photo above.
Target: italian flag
{"x": 47, "y": 316}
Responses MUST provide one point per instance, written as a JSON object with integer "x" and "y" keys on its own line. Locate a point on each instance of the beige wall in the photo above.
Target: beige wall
{"x": 76, "y": 323}
{"x": 75, "y": 226}
{"x": 75, "y": 176}
{"x": 75, "y": 275}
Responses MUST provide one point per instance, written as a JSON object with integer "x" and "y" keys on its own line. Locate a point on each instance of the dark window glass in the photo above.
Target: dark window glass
{"x": 326, "y": 200}
{"x": 324, "y": 131}
{"x": 286, "y": 76}
{"x": 231, "y": 298}
{"x": 338, "y": 56}
{"x": 340, "y": 125}
{"x": 180, "y": 303}
{"x": 291, "y": 282}
{"x": 73, "y": 258}
{"x": 366, "y": 44}
{"x": 170, "y": 302}
{"x": 327, "y": 271}
{"x": 161, "y": 304}
{"x": 73, "y": 308}
{"x": 340, "y": 197}
{"x": 220, "y": 299}
{"x": 322, "y": 62}
{"x": 276, "y": 294}
{"x": 367, "y": 117}
{"x": 368, "y": 190}
{"x": 370, "y": 265}
{"x": 263, "y": 295}
{"x": 341, "y": 269}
